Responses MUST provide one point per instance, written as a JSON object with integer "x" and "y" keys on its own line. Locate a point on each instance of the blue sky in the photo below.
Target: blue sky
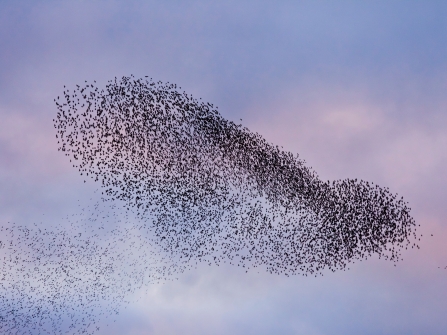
{"x": 358, "y": 89}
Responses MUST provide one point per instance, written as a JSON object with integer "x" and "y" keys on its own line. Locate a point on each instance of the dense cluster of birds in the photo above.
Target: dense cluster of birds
{"x": 202, "y": 189}
{"x": 210, "y": 188}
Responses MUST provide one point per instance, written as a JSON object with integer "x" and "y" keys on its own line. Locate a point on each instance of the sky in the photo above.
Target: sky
{"x": 357, "y": 89}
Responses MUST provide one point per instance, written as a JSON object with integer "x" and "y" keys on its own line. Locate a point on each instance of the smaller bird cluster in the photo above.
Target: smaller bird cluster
{"x": 66, "y": 279}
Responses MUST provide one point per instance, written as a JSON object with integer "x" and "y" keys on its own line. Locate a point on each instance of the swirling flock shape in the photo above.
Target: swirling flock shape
{"x": 203, "y": 189}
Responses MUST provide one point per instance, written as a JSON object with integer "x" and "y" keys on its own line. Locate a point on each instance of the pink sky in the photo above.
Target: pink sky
{"x": 358, "y": 90}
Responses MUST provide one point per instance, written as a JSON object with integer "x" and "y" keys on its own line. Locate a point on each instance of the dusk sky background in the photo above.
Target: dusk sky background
{"x": 357, "y": 88}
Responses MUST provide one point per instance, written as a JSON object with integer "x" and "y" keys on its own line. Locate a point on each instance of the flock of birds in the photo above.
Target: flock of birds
{"x": 65, "y": 279}
{"x": 180, "y": 185}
